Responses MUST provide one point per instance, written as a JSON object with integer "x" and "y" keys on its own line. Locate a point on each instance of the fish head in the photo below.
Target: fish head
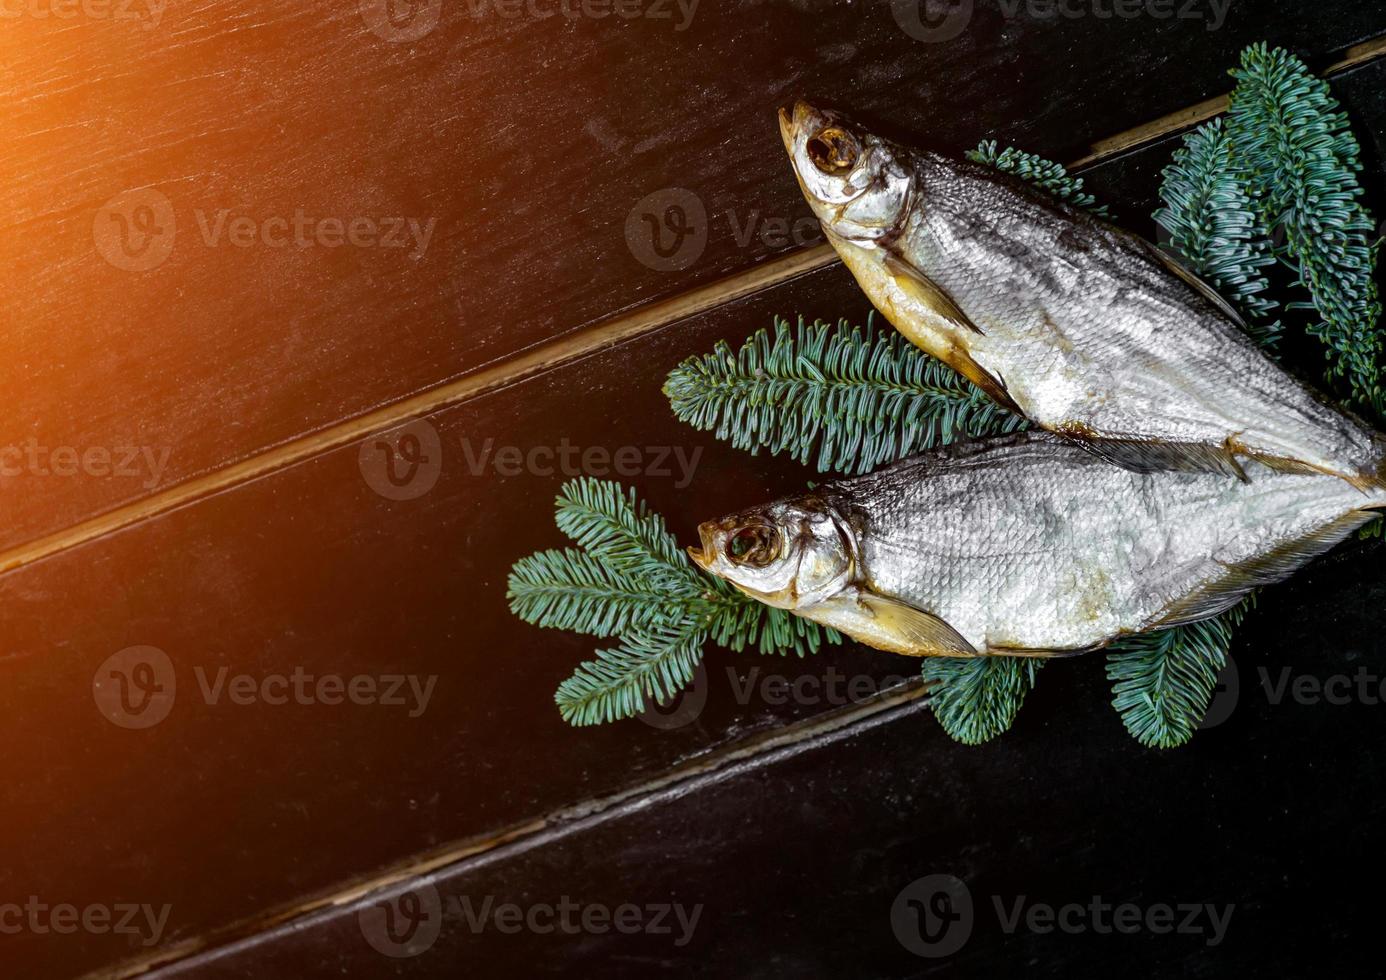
{"x": 788, "y": 554}
{"x": 857, "y": 183}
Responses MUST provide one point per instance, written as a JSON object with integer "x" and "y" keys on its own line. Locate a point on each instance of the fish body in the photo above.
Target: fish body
{"x": 1027, "y": 545}
{"x": 1083, "y": 328}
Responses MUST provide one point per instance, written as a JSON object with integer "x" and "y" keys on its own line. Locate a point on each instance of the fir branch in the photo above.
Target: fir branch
{"x": 1048, "y": 176}
{"x": 630, "y": 579}
{"x": 1163, "y": 682}
{"x": 977, "y": 699}
{"x": 572, "y": 590}
{"x": 654, "y": 664}
{"x": 739, "y": 622}
{"x": 615, "y": 527}
{"x": 1295, "y": 149}
{"x": 1214, "y": 226}
{"x": 848, "y": 397}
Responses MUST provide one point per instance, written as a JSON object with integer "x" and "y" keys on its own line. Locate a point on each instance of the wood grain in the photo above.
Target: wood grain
{"x": 796, "y": 859}
{"x": 323, "y": 569}
{"x": 524, "y": 144}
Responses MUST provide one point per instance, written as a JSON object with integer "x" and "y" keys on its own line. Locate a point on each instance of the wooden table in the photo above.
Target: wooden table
{"x": 248, "y": 241}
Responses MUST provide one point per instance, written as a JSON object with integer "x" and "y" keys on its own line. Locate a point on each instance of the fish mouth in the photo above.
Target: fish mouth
{"x": 800, "y": 119}
{"x": 706, "y": 552}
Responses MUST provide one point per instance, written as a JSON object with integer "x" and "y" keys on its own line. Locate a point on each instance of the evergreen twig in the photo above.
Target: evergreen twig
{"x": 977, "y": 699}
{"x": 1296, "y": 153}
{"x": 629, "y": 579}
{"x": 1213, "y": 225}
{"x": 655, "y": 663}
{"x": 1163, "y": 682}
{"x": 1047, "y": 175}
{"x": 850, "y": 399}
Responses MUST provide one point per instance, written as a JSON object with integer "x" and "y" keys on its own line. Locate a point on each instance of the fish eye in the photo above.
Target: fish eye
{"x": 757, "y": 545}
{"x": 833, "y": 151}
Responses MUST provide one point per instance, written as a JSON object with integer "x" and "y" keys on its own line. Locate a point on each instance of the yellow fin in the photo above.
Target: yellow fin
{"x": 994, "y": 388}
{"x": 926, "y": 292}
{"x": 891, "y": 625}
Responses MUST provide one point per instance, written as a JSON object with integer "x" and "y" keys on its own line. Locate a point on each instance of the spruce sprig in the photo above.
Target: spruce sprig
{"x": 629, "y": 579}
{"x": 850, "y": 399}
{"x": 1163, "y": 682}
{"x": 655, "y": 663}
{"x": 572, "y": 590}
{"x": 977, "y": 699}
{"x": 1298, "y": 157}
{"x": 1213, "y": 225}
{"x": 1047, "y": 175}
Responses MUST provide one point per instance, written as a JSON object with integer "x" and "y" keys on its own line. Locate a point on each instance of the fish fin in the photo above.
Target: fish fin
{"x": 1148, "y": 456}
{"x": 1156, "y": 457}
{"x": 992, "y": 386}
{"x": 1217, "y": 597}
{"x": 889, "y": 624}
{"x": 1190, "y": 278}
{"x": 1036, "y": 654}
{"x": 926, "y": 292}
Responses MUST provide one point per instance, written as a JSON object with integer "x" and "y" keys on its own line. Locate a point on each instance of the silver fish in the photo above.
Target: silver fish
{"x": 1085, "y": 329}
{"x": 1027, "y": 545}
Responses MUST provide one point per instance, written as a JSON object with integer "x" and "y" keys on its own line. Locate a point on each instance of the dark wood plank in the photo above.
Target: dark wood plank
{"x": 312, "y": 569}
{"x": 527, "y": 142}
{"x": 795, "y": 863}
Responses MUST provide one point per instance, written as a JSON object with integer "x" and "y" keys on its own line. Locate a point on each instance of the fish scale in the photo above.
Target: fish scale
{"x": 1083, "y": 328}
{"x": 1029, "y": 545}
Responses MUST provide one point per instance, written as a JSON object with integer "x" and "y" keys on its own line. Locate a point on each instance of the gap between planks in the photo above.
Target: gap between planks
{"x": 766, "y": 748}
{"x": 547, "y": 356}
